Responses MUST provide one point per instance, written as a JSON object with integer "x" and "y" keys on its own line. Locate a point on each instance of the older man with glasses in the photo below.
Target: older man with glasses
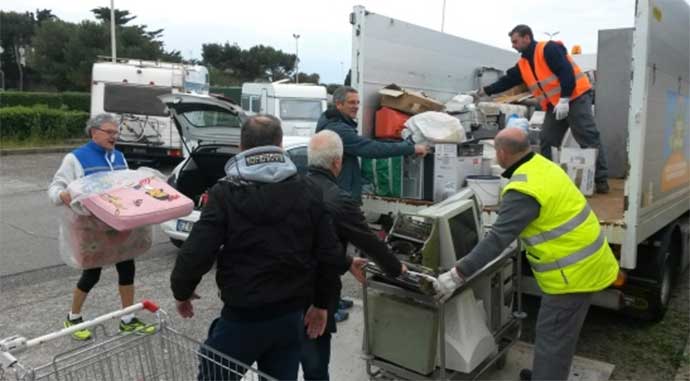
{"x": 98, "y": 155}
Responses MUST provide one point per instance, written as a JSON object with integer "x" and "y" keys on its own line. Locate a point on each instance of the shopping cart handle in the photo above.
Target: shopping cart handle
{"x": 7, "y": 360}
{"x": 10, "y": 344}
{"x": 149, "y": 305}
{"x": 144, "y": 304}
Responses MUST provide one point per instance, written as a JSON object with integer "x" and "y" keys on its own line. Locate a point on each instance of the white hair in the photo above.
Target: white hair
{"x": 98, "y": 120}
{"x": 324, "y": 148}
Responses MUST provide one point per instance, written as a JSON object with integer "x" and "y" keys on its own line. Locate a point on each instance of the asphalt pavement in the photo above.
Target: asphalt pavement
{"x": 35, "y": 287}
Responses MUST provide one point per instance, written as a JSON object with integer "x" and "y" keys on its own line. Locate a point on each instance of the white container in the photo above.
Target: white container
{"x": 487, "y": 188}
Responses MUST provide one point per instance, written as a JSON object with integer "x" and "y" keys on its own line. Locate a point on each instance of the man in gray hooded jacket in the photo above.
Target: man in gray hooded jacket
{"x": 275, "y": 250}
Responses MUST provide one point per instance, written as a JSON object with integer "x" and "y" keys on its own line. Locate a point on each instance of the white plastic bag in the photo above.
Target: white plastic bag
{"x": 86, "y": 242}
{"x": 459, "y": 103}
{"x": 103, "y": 182}
{"x": 433, "y": 127}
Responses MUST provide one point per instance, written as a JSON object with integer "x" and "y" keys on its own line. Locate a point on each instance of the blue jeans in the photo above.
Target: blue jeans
{"x": 274, "y": 344}
{"x": 316, "y": 355}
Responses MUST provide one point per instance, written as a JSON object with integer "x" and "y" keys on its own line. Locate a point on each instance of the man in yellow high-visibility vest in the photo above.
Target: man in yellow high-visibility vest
{"x": 566, "y": 249}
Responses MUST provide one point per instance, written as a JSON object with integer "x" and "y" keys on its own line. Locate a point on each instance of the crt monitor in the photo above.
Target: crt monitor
{"x": 458, "y": 226}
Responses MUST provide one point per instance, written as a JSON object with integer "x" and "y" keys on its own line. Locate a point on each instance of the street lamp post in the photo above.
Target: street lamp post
{"x": 113, "y": 48}
{"x": 443, "y": 16}
{"x": 296, "y": 36}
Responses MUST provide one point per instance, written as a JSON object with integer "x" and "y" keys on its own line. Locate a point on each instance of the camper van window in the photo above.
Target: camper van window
{"x": 463, "y": 231}
{"x": 196, "y": 87}
{"x": 131, "y": 99}
{"x": 256, "y": 104}
{"x": 300, "y": 109}
{"x": 209, "y": 118}
{"x": 245, "y": 103}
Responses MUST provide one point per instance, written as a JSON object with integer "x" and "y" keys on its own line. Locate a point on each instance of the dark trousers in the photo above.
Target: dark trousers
{"x": 274, "y": 344}
{"x": 584, "y": 130}
{"x": 316, "y": 355}
{"x": 559, "y": 323}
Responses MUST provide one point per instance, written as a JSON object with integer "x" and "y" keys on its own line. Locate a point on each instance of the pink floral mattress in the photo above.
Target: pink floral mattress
{"x": 149, "y": 201}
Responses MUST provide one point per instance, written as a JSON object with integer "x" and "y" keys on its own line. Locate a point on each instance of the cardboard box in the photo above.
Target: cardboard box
{"x": 580, "y": 165}
{"x": 408, "y": 101}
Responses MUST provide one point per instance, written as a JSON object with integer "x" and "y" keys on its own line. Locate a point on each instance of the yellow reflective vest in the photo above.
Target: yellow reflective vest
{"x": 565, "y": 246}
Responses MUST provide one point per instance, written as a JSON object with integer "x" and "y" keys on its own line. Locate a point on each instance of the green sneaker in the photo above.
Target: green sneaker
{"x": 82, "y": 334}
{"x": 137, "y": 326}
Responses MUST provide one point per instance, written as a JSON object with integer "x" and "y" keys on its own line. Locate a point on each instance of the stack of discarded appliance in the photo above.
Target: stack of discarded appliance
{"x": 453, "y": 130}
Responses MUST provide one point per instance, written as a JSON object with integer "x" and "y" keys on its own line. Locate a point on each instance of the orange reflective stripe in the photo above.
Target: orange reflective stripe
{"x": 547, "y": 81}
{"x": 556, "y": 90}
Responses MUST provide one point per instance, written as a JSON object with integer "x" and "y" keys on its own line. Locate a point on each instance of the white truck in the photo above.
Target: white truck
{"x": 298, "y": 106}
{"x": 129, "y": 89}
{"x": 643, "y": 84}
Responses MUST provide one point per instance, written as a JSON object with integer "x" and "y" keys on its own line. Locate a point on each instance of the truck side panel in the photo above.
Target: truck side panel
{"x": 659, "y": 120}
{"x": 385, "y": 51}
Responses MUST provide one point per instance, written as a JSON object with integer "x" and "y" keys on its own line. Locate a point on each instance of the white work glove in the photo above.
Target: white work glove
{"x": 477, "y": 94}
{"x": 446, "y": 284}
{"x": 562, "y": 108}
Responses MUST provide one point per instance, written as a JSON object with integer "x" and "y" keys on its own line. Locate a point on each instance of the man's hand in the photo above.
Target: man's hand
{"x": 315, "y": 321}
{"x": 65, "y": 197}
{"x": 562, "y": 108}
{"x": 357, "y": 269}
{"x": 185, "y": 307}
{"x": 421, "y": 150}
{"x": 403, "y": 269}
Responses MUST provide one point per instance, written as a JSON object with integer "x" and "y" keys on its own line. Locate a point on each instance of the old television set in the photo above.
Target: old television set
{"x": 457, "y": 223}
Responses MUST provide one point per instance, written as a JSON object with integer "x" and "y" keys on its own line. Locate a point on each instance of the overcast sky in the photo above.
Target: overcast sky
{"x": 325, "y": 42}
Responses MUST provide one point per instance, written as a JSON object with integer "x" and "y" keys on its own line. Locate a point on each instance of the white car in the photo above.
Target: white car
{"x": 211, "y": 128}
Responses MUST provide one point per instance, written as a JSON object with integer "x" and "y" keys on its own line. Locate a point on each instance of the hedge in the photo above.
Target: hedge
{"x": 67, "y": 100}
{"x": 22, "y": 123}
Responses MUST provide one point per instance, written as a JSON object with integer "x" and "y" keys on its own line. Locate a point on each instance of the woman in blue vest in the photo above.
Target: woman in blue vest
{"x": 98, "y": 155}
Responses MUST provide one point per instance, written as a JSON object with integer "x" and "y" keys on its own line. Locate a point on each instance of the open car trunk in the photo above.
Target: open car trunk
{"x": 203, "y": 170}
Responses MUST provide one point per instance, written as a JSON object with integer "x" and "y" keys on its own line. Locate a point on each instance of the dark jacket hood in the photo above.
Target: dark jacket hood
{"x": 264, "y": 185}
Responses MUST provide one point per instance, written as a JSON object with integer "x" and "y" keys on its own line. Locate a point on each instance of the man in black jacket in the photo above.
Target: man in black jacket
{"x": 325, "y": 163}
{"x": 275, "y": 250}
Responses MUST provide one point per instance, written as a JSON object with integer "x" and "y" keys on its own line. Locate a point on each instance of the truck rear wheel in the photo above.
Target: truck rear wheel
{"x": 662, "y": 295}
{"x": 651, "y": 284}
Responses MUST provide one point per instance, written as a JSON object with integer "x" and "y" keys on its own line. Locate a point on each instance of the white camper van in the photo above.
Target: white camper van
{"x": 130, "y": 88}
{"x": 297, "y": 106}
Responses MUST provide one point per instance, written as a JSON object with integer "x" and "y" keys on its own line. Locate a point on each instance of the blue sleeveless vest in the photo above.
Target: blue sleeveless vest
{"x": 94, "y": 158}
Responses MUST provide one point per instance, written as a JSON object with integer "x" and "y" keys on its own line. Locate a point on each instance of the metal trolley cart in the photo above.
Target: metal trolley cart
{"x": 409, "y": 350}
{"x": 165, "y": 355}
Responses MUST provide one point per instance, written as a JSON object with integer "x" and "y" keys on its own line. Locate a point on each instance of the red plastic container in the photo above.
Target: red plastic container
{"x": 389, "y": 123}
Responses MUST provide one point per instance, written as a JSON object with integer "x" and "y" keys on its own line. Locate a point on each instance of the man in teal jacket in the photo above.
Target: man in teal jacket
{"x": 341, "y": 120}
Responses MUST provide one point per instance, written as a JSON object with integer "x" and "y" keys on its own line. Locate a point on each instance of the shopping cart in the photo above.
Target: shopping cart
{"x": 165, "y": 355}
